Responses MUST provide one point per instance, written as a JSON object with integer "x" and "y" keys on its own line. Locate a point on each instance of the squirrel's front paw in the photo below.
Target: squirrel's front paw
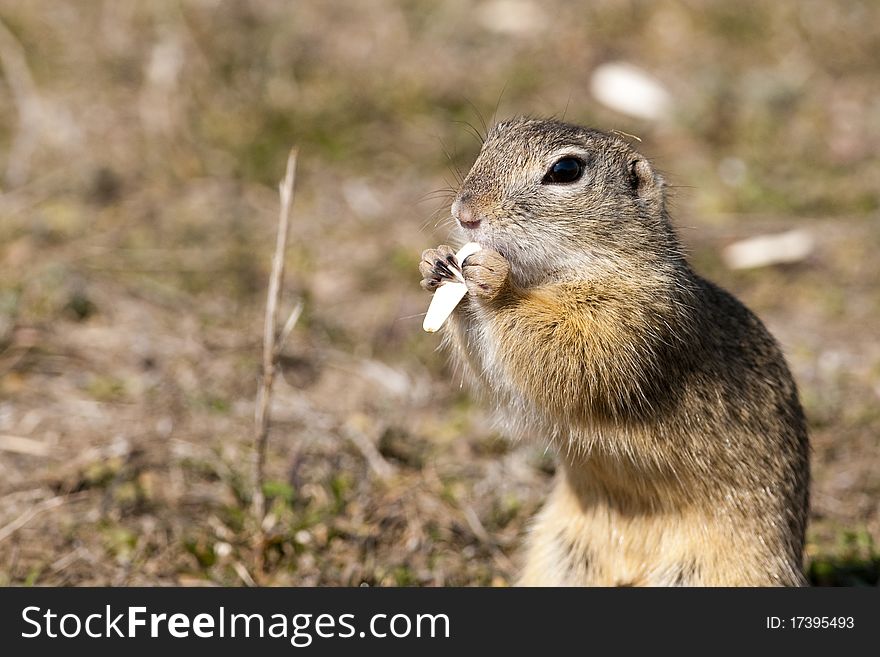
{"x": 435, "y": 267}
{"x": 485, "y": 273}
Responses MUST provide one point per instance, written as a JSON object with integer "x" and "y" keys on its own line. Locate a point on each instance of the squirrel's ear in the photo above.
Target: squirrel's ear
{"x": 646, "y": 184}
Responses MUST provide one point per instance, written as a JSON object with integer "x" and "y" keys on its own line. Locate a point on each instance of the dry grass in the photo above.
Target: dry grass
{"x": 141, "y": 146}
{"x": 273, "y": 344}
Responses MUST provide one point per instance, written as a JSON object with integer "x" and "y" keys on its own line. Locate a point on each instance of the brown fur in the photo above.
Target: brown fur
{"x": 683, "y": 445}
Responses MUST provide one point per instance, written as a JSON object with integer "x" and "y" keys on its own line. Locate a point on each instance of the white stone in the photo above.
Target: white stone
{"x": 764, "y": 250}
{"x": 630, "y": 90}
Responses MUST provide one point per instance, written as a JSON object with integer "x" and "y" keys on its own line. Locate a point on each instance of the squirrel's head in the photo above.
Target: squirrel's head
{"x": 559, "y": 200}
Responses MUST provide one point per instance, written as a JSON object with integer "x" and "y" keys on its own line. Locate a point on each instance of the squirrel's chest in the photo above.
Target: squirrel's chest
{"x": 473, "y": 343}
{"x": 479, "y": 350}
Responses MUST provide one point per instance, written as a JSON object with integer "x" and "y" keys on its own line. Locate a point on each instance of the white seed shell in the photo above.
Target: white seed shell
{"x": 448, "y": 295}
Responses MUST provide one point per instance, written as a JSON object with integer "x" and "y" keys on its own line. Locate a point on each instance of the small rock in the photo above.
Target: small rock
{"x": 764, "y": 250}
{"x": 222, "y": 549}
{"x": 630, "y": 90}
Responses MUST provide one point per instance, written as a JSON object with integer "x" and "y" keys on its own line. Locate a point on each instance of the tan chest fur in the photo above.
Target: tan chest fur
{"x": 626, "y": 509}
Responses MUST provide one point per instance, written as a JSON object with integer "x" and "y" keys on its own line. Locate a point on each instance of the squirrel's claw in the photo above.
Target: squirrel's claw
{"x": 435, "y": 267}
{"x": 485, "y": 273}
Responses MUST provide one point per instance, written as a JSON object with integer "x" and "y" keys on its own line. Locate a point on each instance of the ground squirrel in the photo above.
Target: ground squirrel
{"x": 682, "y": 443}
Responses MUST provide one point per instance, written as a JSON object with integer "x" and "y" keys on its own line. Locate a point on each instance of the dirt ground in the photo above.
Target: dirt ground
{"x": 140, "y": 148}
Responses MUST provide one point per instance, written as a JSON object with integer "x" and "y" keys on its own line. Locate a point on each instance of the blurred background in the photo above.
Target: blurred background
{"x": 140, "y": 148}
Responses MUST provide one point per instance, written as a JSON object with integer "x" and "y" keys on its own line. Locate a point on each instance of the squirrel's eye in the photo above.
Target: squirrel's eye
{"x": 566, "y": 170}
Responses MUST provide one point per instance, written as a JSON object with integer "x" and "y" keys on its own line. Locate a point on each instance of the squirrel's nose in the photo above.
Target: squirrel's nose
{"x": 464, "y": 214}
